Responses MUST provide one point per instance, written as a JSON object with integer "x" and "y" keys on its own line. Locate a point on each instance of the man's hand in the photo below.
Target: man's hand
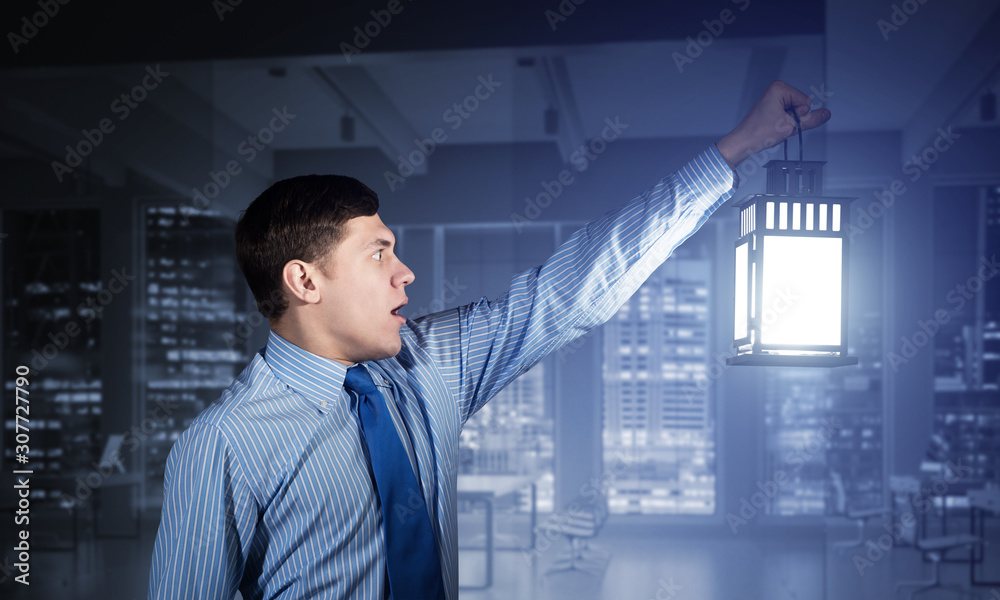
{"x": 769, "y": 122}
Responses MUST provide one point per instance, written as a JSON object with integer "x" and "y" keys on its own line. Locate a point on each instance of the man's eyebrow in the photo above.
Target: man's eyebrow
{"x": 379, "y": 243}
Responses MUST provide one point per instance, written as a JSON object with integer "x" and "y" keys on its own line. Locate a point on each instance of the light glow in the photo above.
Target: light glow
{"x": 801, "y": 296}
{"x": 742, "y": 257}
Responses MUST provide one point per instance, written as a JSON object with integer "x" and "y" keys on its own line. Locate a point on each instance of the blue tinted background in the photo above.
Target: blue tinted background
{"x": 480, "y": 126}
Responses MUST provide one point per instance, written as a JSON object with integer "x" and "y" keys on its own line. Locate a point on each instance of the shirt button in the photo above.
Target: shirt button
{"x": 323, "y": 403}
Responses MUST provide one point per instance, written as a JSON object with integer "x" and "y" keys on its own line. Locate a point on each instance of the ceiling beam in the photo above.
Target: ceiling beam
{"x": 170, "y": 152}
{"x": 356, "y": 90}
{"x": 48, "y": 136}
{"x": 558, "y": 91}
{"x": 178, "y": 101}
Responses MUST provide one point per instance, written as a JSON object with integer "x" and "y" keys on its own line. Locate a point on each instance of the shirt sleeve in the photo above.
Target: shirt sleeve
{"x": 481, "y": 347}
{"x": 204, "y": 533}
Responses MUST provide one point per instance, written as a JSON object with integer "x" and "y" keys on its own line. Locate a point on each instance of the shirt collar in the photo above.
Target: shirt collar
{"x": 317, "y": 378}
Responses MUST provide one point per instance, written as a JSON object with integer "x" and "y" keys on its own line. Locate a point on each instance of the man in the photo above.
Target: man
{"x": 328, "y": 468}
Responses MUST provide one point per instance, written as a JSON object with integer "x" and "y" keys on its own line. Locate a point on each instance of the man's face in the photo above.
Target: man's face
{"x": 361, "y": 293}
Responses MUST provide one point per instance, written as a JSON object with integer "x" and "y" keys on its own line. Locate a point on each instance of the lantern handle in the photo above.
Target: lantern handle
{"x": 798, "y": 128}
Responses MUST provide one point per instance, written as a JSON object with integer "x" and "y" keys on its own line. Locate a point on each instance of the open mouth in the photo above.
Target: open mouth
{"x": 396, "y": 310}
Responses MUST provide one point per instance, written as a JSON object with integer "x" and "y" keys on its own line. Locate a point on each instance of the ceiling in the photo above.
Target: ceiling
{"x": 931, "y": 70}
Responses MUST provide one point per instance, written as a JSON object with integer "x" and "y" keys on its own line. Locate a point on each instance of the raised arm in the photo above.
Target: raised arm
{"x": 481, "y": 347}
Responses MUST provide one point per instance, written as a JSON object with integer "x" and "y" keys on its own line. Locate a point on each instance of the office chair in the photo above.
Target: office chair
{"x": 933, "y": 550}
{"x": 579, "y": 526}
{"x": 859, "y": 515}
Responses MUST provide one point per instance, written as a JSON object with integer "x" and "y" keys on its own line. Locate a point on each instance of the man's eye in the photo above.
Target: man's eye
{"x": 377, "y": 255}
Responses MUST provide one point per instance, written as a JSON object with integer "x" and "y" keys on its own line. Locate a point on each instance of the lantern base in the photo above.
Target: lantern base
{"x": 791, "y": 360}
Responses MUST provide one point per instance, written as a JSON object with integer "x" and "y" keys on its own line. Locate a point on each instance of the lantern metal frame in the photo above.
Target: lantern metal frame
{"x": 794, "y": 190}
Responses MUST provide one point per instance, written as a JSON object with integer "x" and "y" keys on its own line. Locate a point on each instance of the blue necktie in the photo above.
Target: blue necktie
{"x": 411, "y": 552}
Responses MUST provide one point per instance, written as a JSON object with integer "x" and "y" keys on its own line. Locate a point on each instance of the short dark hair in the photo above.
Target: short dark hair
{"x": 299, "y": 218}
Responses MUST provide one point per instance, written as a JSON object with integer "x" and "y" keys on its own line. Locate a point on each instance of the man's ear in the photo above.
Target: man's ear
{"x": 298, "y": 277}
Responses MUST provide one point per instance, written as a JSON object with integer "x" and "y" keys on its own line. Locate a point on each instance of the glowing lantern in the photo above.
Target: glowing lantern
{"x": 791, "y": 272}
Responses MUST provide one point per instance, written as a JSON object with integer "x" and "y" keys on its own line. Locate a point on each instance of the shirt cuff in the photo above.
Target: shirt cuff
{"x": 709, "y": 178}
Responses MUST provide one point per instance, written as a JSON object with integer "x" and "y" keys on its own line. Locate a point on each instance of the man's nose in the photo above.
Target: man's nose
{"x": 405, "y": 276}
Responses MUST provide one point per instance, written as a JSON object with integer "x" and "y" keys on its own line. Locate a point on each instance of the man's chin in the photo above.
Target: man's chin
{"x": 384, "y": 353}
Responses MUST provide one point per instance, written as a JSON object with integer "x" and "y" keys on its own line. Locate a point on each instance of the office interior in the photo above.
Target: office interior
{"x": 635, "y": 462}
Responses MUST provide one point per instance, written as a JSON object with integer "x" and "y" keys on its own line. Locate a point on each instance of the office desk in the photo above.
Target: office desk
{"x": 72, "y": 487}
{"x": 486, "y": 489}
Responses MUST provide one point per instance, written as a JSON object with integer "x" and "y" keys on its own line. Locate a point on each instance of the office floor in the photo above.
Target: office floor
{"x": 717, "y": 566}
{"x": 653, "y": 566}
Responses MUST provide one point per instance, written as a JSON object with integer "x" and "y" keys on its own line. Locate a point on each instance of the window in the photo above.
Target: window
{"x": 194, "y": 329}
{"x": 55, "y": 293}
{"x": 657, "y": 420}
{"x": 824, "y": 428}
{"x": 967, "y": 345}
{"x": 512, "y": 435}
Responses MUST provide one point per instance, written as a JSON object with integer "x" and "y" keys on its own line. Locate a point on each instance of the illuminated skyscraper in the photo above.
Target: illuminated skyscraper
{"x": 796, "y": 402}
{"x": 967, "y": 348}
{"x": 657, "y": 417}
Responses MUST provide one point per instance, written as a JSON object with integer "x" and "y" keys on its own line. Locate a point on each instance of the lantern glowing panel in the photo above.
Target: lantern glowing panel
{"x": 800, "y": 299}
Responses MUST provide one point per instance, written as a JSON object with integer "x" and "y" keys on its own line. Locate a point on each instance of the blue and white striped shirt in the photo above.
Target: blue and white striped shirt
{"x": 268, "y": 491}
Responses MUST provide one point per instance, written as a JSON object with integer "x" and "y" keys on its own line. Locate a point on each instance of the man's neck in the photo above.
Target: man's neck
{"x": 306, "y": 336}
